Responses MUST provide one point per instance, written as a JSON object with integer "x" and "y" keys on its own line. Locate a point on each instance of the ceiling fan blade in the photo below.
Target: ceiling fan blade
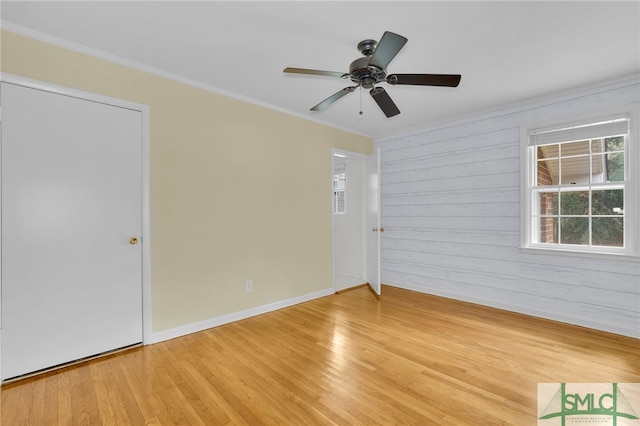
{"x": 388, "y": 47}
{"x": 315, "y": 72}
{"x": 331, "y": 99}
{"x": 448, "y": 80}
{"x": 384, "y": 101}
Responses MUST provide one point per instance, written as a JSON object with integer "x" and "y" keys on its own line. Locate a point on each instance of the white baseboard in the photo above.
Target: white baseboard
{"x": 235, "y": 316}
{"x": 554, "y": 316}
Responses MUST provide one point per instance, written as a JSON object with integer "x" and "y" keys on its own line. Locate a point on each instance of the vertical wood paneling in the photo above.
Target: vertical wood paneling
{"x": 450, "y": 203}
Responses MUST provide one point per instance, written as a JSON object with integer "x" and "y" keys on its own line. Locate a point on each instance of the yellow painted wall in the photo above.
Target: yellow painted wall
{"x": 238, "y": 191}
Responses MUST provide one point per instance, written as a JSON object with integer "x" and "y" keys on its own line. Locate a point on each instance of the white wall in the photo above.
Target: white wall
{"x": 450, "y": 201}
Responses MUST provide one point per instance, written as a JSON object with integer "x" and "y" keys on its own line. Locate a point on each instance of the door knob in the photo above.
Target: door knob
{"x": 381, "y": 229}
{"x": 374, "y": 229}
{"x": 133, "y": 240}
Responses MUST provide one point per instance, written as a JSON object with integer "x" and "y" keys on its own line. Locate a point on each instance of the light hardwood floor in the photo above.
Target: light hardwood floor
{"x": 344, "y": 359}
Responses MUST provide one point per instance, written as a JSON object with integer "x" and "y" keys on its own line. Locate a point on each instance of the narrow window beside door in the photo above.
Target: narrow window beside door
{"x": 339, "y": 189}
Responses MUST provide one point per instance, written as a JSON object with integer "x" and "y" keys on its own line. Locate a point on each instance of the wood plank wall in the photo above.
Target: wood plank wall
{"x": 450, "y": 203}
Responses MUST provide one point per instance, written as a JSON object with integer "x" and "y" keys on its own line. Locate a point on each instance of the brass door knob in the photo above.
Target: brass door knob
{"x": 133, "y": 240}
{"x": 381, "y": 229}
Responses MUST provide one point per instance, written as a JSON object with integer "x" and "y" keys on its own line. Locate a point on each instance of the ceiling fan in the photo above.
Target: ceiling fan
{"x": 371, "y": 69}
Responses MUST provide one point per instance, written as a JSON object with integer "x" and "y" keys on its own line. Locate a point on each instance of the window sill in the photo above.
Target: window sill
{"x": 585, "y": 254}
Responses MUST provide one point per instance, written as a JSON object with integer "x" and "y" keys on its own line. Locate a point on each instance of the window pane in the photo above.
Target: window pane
{"x": 574, "y": 170}
{"x": 574, "y": 203}
{"x": 549, "y": 151}
{"x": 547, "y": 172}
{"x": 614, "y": 144}
{"x": 608, "y": 231}
{"x": 597, "y": 146}
{"x": 547, "y": 203}
{"x": 614, "y": 165}
{"x": 598, "y": 169}
{"x": 574, "y": 230}
{"x": 607, "y": 202}
{"x": 574, "y": 148}
{"x": 548, "y": 227}
{"x": 338, "y": 202}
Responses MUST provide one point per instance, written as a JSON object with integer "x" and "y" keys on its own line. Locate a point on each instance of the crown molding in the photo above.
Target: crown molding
{"x": 99, "y": 54}
{"x": 519, "y": 106}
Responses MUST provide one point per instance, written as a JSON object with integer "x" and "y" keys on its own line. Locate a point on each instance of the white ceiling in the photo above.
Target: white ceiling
{"x": 507, "y": 52}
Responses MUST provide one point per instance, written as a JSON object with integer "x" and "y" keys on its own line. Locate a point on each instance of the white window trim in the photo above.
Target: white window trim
{"x": 631, "y": 250}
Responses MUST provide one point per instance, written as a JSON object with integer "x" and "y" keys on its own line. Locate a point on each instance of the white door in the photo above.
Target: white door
{"x": 71, "y": 211}
{"x": 372, "y": 212}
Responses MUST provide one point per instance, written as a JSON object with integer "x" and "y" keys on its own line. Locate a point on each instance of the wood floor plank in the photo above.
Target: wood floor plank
{"x": 344, "y": 359}
{"x": 51, "y": 400}
{"x": 105, "y": 405}
{"x": 65, "y": 410}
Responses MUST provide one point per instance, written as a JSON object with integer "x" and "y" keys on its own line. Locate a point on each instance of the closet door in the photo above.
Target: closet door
{"x": 71, "y": 223}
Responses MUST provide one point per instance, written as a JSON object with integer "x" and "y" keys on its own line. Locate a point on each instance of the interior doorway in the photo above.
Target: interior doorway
{"x": 349, "y": 250}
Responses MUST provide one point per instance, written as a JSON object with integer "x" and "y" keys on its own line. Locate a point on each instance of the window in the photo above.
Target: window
{"x": 339, "y": 188}
{"x": 579, "y": 194}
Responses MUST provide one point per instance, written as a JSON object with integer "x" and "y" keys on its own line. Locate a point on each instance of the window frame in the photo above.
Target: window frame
{"x": 337, "y": 190}
{"x": 529, "y": 187}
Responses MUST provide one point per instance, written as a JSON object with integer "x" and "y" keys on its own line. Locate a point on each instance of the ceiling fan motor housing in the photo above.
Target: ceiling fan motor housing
{"x": 364, "y": 74}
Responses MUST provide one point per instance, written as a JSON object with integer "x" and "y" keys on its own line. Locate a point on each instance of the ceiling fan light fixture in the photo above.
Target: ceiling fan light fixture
{"x": 367, "y": 82}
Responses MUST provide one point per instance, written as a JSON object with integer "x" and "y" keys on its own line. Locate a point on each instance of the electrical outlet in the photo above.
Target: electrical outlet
{"x": 248, "y": 286}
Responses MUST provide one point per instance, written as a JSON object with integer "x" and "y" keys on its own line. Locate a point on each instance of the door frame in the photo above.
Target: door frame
{"x": 363, "y": 158}
{"x": 372, "y": 221}
{"x": 145, "y": 239}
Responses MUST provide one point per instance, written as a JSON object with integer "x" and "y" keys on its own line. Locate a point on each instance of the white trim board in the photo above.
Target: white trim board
{"x": 146, "y": 217}
{"x": 195, "y": 327}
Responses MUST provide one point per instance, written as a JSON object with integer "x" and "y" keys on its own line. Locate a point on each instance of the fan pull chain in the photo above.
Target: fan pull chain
{"x": 360, "y": 101}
